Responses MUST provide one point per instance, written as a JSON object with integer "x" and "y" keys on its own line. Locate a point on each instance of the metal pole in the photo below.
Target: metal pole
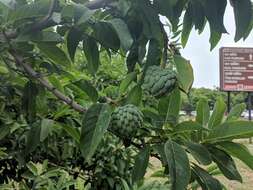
{"x": 228, "y": 102}
{"x": 249, "y": 109}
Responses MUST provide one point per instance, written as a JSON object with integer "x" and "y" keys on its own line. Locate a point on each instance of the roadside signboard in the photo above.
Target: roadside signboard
{"x": 236, "y": 69}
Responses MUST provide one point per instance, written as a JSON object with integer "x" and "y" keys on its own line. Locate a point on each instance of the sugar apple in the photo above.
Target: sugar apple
{"x": 158, "y": 81}
{"x": 126, "y": 120}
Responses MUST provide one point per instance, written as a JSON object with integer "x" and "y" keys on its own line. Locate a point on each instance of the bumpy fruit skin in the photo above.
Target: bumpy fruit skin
{"x": 126, "y": 120}
{"x": 159, "y": 82}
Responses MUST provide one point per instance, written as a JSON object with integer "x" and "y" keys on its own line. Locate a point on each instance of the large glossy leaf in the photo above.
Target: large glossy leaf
{"x": 243, "y": 17}
{"x": 236, "y": 112}
{"x": 141, "y": 164}
{"x": 44, "y": 36}
{"x": 205, "y": 180}
{"x": 73, "y": 38}
{"x": 9, "y": 3}
{"x": 45, "y": 128}
{"x": 187, "y": 25}
{"x": 32, "y": 138}
{"x": 185, "y": 73}
{"x": 179, "y": 167}
{"x": 154, "y": 53}
{"x": 203, "y": 112}
{"x": 188, "y": 126}
{"x": 123, "y": 33}
{"x": 174, "y": 106}
{"x": 91, "y": 52}
{"x": 231, "y": 130}
{"x": 225, "y": 163}
{"x": 54, "y": 53}
{"x": 86, "y": 15}
{"x": 106, "y": 35}
{"x": 29, "y": 11}
{"x": 198, "y": 15}
{"x": 127, "y": 81}
{"x": 71, "y": 131}
{"x": 30, "y": 93}
{"x": 214, "y": 38}
{"x": 218, "y": 113}
{"x": 239, "y": 151}
{"x": 88, "y": 89}
{"x": 135, "y": 95}
{"x": 95, "y": 124}
{"x": 199, "y": 152}
{"x": 4, "y": 131}
{"x": 214, "y": 10}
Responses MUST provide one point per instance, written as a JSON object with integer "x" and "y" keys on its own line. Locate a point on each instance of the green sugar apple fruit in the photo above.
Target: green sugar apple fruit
{"x": 126, "y": 120}
{"x": 159, "y": 82}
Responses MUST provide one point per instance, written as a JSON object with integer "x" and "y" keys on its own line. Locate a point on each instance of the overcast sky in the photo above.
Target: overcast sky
{"x": 205, "y": 63}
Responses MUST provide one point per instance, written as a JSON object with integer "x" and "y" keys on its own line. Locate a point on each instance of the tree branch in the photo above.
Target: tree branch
{"x": 29, "y": 70}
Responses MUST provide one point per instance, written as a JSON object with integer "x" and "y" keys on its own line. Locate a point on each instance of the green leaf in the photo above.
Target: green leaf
{"x": 187, "y": 26}
{"x": 3, "y": 70}
{"x": 163, "y": 105}
{"x": 33, "y": 138}
{"x": 205, "y": 180}
{"x": 32, "y": 167}
{"x": 243, "y": 17}
{"x": 54, "y": 53}
{"x": 72, "y": 131}
{"x": 218, "y": 113}
{"x": 88, "y": 89}
{"x": 179, "y": 167}
{"x": 198, "y": 15}
{"x": 174, "y": 106}
{"x": 185, "y": 73}
{"x": 225, "y": 163}
{"x": 11, "y": 4}
{"x": 214, "y": 10}
{"x": 95, "y": 124}
{"x": 73, "y": 38}
{"x": 130, "y": 77}
{"x": 30, "y": 93}
{"x": 106, "y": 35}
{"x": 231, "y": 130}
{"x": 239, "y": 151}
{"x": 85, "y": 16}
{"x": 29, "y": 11}
{"x": 4, "y": 131}
{"x": 188, "y": 126}
{"x": 135, "y": 95}
{"x": 123, "y": 33}
{"x": 214, "y": 39}
{"x": 199, "y": 152}
{"x": 141, "y": 164}
{"x": 236, "y": 112}
{"x": 45, "y": 128}
{"x": 203, "y": 112}
{"x": 154, "y": 53}
{"x": 91, "y": 52}
{"x": 44, "y": 36}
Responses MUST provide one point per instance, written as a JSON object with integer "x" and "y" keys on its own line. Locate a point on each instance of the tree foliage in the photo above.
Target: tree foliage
{"x": 66, "y": 66}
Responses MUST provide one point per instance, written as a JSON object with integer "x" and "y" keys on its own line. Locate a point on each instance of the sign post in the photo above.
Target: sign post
{"x": 236, "y": 72}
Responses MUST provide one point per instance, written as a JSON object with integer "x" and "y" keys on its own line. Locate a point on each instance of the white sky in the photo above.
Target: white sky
{"x": 205, "y": 63}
